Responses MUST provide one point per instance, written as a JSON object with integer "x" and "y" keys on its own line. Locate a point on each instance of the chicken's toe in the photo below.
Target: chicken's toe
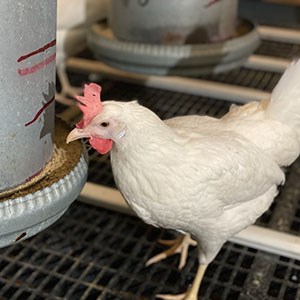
{"x": 171, "y": 297}
{"x": 64, "y": 99}
{"x": 192, "y": 293}
{"x": 68, "y": 92}
{"x": 179, "y": 245}
{"x": 189, "y": 295}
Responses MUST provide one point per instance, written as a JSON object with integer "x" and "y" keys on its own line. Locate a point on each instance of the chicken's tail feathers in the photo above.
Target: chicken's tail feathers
{"x": 284, "y": 105}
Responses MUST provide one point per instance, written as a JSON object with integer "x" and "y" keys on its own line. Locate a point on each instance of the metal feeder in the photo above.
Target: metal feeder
{"x": 173, "y": 22}
{"x": 29, "y": 147}
{"x": 185, "y": 38}
{"x": 182, "y": 60}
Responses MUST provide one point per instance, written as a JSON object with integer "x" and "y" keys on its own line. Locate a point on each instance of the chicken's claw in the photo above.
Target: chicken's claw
{"x": 189, "y": 295}
{"x": 171, "y": 297}
{"x": 65, "y": 100}
{"x": 178, "y": 245}
{"x": 192, "y": 292}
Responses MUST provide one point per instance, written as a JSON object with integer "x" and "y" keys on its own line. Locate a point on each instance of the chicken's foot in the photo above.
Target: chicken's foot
{"x": 68, "y": 92}
{"x": 192, "y": 293}
{"x": 179, "y": 245}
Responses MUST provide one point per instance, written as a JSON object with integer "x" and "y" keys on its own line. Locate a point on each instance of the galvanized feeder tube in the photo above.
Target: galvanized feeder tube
{"x": 27, "y": 88}
{"x": 173, "y": 37}
{"x": 173, "y": 21}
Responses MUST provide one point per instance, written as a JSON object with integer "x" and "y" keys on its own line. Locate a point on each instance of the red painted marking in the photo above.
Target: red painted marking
{"x": 211, "y": 3}
{"x": 20, "y": 236}
{"x": 40, "y": 112}
{"x": 42, "y": 49}
{"x": 34, "y": 175}
{"x": 37, "y": 67}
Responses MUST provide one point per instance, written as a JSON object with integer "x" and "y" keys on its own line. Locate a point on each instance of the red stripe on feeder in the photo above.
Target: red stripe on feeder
{"x": 37, "y": 67}
{"x": 42, "y": 49}
{"x": 40, "y": 111}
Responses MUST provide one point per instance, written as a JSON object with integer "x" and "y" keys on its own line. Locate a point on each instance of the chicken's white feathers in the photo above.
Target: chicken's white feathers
{"x": 277, "y": 140}
{"x": 205, "y": 176}
{"x": 284, "y": 105}
{"x": 73, "y": 19}
{"x": 192, "y": 180}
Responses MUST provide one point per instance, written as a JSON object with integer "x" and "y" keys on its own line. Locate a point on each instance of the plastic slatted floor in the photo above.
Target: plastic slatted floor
{"x": 276, "y": 49}
{"x": 92, "y": 253}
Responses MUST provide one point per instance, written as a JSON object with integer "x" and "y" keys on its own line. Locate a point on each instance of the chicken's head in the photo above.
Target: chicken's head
{"x": 100, "y": 125}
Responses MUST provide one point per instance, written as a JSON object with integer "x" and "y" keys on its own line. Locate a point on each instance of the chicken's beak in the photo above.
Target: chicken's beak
{"x": 76, "y": 134}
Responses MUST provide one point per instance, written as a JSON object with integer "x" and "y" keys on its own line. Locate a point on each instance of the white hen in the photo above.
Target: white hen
{"x": 73, "y": 20}
{"x": 207, "y": 177}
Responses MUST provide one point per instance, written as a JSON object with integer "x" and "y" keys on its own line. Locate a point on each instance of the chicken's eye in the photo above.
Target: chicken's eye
{"x": 104, "y": 124}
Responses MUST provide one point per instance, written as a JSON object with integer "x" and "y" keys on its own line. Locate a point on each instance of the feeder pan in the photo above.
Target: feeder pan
{"x": 32, "y": 207}
{"x": 182, "y": 60}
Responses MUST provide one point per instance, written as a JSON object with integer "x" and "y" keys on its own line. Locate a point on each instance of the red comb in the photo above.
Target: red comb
{"x": 90, "y": 104}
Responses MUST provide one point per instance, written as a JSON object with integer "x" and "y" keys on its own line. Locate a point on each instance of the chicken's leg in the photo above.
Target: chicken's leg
{"x": 179, "y": 245}
{"x": 192, "y": 293}
{"x": 67, "y": 90}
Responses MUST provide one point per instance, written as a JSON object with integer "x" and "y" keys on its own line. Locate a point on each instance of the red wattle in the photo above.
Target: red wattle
{"x": 101, "y": 145}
